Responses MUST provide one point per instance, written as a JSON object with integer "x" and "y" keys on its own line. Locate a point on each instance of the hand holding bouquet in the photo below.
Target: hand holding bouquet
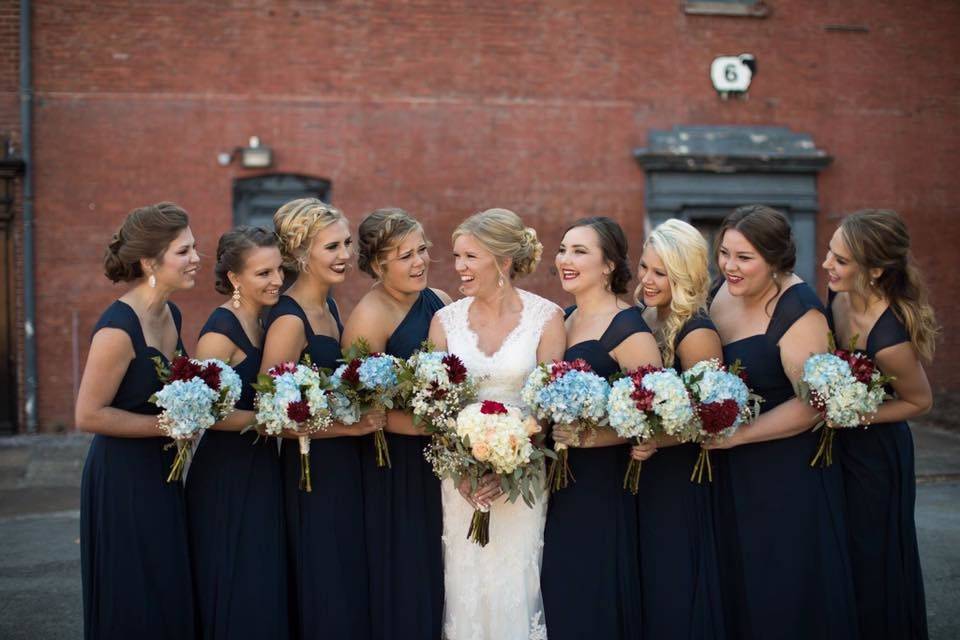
{"x": 489, "y": 437}
{"x": 294, "y": 397}
{"x": 195, "y": 395}
{"x": 846, "y": 387}
{"x": 366, "y": 380}
{"x": 644, "y": 403}
{"x": 722, "y": 403}
{"x": 566, "y": 393}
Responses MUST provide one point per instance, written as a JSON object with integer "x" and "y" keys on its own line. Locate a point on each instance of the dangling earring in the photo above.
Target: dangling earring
{"x": 152, "y": 281}
{"x": 236, "y": 298}
{"x": 500, "y": 282}
{"x": 606, "y": 281}
{"x": 873, "y": 282}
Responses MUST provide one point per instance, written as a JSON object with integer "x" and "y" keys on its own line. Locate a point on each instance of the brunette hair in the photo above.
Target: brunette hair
{"x": 232, "y": 251}
{"x": 613, "y": 244}
{"x": 145, "y": 233}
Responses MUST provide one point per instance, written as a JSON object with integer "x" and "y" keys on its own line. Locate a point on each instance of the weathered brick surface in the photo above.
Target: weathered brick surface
{"x": 445, "y": 108}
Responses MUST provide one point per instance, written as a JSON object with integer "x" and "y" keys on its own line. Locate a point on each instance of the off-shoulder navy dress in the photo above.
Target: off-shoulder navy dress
{"x": 679, "y": 570}
{"x": 782, "y": 536}
{"x": 235, "y": 510}
{"x": 404, "y": 520}
{"x": 590, "y": 578}
{"x": 325, "y": 531}
{"x": 880, "y": 484}
{"x": 134, "y": 553}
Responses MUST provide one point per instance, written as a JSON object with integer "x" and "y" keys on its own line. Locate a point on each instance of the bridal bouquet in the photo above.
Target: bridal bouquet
{"x": 489, "y": 437}
{"x": 195, "y": 395}
{"x": 365, "y": 380}
{"x": 846, "y": 388}
{"x": 566, "y": 393}
{"x": 294, "y": 397}
{"x": 644, "y": 403}
{"x": 722, "y": 403}
{"x": 435, "y": 385}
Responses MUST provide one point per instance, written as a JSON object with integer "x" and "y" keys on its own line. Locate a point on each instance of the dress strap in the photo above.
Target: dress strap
{"x": 120, "y": 315}
{"x": 624, "y": 324}
{"x": 569, "y": 311}
{"x": 287, "y": 306}
{"x": 226, "y": 323}
{"x": 178, "y": 323}
{"x": 334, "y": 311}
{"x": 792, "y": 305}
{"x": 537, "y": 312}
{"x": 888, "y": 331}
{"x": 699, "y": 320}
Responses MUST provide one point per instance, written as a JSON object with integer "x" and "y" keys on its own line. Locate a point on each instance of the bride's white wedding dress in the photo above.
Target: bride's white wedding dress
{"x": 493, "y": 592}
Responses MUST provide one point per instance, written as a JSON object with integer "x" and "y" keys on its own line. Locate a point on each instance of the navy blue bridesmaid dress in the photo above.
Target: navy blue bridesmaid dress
{"x": 325, "y": 530}
{"x": 590, "y": 577}
{"x": 679, "y": 569}
{"x": 235, "y": 510}
{"x": 134, "y": 553}
{"x": 880, "y": 484}
{"x": 404, "y": 521}
{"x": 781, "y": 532}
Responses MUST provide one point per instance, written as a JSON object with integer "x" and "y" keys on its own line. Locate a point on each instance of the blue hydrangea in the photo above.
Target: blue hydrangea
{"x": 577, "y": 395}
{"x": 825, "y": 370}
{"x": 187, "y": 407}
{"x": 378, "y": 372}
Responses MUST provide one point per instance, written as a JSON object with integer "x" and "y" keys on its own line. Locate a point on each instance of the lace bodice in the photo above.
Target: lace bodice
{"x": 503, "y": 373}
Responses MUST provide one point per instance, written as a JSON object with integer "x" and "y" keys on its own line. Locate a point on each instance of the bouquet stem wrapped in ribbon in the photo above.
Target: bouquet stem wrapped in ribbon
{"x": 294, "y": 397}
{"x": 722, "y": 403}
{"x": 644, "y": 403}
{"x": 366, "y": 380}
{"x": 566, "y": 393}
{"x": 489, "y": 437}
{"x": 195, "y": 395}
{"x": 846, "y": 388}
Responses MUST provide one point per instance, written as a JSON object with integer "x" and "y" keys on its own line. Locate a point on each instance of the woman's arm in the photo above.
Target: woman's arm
{"x": 217, "y": 345}
{"x": 807, "y": 336}
{"x": 111, "y": 352}
{"x": 913, "y": 395}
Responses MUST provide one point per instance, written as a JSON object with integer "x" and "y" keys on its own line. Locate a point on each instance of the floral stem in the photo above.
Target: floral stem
{"x": 559, "y": 475}
{"x": 305, "y": 483}
{"x": 703, "y": 463}
{"x": 824, "y": 455}
{"x": 383, "y": 450}
{"x": 480, "y": 527}
{"x": 631, "y": 479}
{"x": 176, "y": 469}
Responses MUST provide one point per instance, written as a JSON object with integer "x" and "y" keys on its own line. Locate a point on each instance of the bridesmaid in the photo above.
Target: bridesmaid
{"x": 784, "y": 564}
{"x": 402, "y": 504}
{"x": 590, "y": 577}
{"x": 234, "y": 488}
{"x": 325, "y": 531}
{"x": 878, "y": 295}
{"x": 678, "y": 561}
{"x": 134, "y": 554}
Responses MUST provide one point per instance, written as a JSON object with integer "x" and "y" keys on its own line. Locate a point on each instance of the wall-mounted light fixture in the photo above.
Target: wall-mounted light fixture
{"x": 253, "y": 156}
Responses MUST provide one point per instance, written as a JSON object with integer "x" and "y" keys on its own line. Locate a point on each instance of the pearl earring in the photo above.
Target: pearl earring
{"x": 152, "y": 281}
{"x": 236, "y": 298}
{"x": 500, "y": 282}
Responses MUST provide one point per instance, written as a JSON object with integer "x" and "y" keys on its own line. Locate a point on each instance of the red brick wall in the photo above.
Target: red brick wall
{"x": 444, "y": 108}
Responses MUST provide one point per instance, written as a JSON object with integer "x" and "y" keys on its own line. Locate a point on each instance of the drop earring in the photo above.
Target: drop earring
{"x": 500, "y": 282}
{"x": 236, "y": 298}
{"x": 152, "y": 281}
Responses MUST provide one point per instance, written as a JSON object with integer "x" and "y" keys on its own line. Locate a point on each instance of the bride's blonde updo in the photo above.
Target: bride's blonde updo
{"x": 502, "y": 232}
{"x": 297, "y": 224}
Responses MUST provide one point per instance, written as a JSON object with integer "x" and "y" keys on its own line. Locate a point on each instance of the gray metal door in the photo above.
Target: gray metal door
{"x": 256, "y": 199}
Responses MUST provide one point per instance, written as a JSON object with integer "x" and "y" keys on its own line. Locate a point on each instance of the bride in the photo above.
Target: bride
{"x": 501, "y": 333}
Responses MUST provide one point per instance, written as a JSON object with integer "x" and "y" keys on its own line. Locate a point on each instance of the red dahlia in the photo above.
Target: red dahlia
{"x": 183, "y": 369}
{"x": 351, "y": 375}
{"x": 717, "y": 416}
{"x": 211, "y": 375}
{"x": 455, "y": 369}
{"x": 282, "y": 368}
{"x": 298, "y": 411}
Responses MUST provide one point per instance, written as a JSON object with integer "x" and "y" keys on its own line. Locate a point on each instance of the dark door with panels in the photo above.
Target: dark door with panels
{"x": 700, "y": 174}
{"x": 256, "y": 199}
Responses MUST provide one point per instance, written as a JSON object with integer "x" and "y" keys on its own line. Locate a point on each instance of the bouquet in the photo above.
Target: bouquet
{"x": 722, "y": 403}
{"x": 365, "y": 380}
{"x": 195, "y": 395}
{"x": 566, "y": 393}
{"x": 646, "y": 402}
{"x": 294, "y": 397}
{"x": 489, "y": 437}
{"x": 846, "y": 387}
{"x": 435, "y": 385}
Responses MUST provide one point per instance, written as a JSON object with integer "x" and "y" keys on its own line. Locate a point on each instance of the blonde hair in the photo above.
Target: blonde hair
{"x": 380, "y": 232}
{"x": 878, "y": 239}
{"x": 297, "y": 224}
{"x": 684, "y": 254}
{"x": 502, "y": 232}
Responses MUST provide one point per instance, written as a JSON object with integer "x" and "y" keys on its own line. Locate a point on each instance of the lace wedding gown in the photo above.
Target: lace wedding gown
{"x": 493, "y": 592}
